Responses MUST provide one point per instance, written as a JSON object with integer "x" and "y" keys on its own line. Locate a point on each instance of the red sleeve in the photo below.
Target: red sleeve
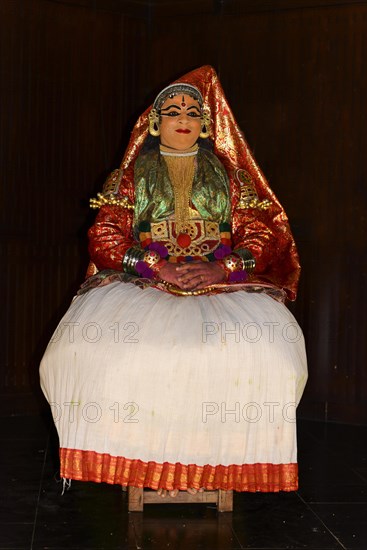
{"x": 266, "y": 234}
{"x": 251, "y": 231}
{"x": 110, "y": 237}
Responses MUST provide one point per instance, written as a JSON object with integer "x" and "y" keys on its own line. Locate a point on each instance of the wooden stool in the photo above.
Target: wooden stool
{"x": 138, "y": 497}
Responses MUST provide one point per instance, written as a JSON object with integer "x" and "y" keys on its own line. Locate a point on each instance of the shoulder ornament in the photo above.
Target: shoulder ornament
{"x": 110, "y": 193}
{"x": 248, "y": 194}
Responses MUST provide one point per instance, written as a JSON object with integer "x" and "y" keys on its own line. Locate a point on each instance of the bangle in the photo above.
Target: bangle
{"x": 233, "y": 262}
{"x": 145, "y": 262}
{"x": 132, "y": 256}
{"x": 237, "y": 264}
{"x": 233, "y": 266}
{"x": 150, "y": 265}
{"x": 144, "y": 266}
{"x": 249, "y": 262}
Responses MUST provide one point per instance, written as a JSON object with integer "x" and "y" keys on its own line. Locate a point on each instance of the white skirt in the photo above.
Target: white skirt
{"x": 142, "y": 377}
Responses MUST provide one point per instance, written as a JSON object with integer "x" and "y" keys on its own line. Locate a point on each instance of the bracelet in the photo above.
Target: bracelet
{"x": 132, "y": 256}
{"x": 150, "y": 265}
{"x": 233, "y": 262}
{"x": 145, "y": 262}
{"x": 233, "y": 266}
{"x": 249, "y": 262}
{"x": 237, "y": 265}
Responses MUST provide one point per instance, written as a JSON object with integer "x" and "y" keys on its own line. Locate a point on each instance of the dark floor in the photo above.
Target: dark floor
{"x": 328, "y": 512}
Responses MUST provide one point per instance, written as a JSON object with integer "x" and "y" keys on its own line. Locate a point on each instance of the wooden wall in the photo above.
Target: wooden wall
{"x": 76, "y": 74}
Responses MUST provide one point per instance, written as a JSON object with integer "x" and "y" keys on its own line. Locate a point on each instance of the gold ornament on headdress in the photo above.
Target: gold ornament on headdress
{"x": 154, "y": 128}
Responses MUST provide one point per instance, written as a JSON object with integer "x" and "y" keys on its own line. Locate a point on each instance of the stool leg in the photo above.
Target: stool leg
{"x": 225, "y": 501}
{"x": 136, "y": 499}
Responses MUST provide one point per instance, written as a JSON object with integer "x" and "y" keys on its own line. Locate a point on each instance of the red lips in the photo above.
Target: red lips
{"x": 182, "y": 131}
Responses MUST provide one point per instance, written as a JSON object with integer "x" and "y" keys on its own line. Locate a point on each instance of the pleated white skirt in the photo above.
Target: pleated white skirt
{"x": 205, "y": 380}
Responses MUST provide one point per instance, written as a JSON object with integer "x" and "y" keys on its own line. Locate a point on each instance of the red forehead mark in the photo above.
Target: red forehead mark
{"x": 183, "y": 104}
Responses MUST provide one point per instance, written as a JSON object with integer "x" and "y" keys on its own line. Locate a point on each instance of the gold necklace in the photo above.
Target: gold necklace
{"x": 181, "y": 170}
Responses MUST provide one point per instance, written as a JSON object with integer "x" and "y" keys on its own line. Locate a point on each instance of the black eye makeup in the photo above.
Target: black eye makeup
{"x": 175, "y": 110}
{"x": 171, "y": 110}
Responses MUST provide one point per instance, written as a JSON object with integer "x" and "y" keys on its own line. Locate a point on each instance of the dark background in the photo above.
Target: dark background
{"x": 75, "y": 74}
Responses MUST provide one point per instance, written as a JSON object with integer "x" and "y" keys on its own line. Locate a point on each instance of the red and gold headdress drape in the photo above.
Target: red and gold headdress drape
{"x": 259, "y": 221}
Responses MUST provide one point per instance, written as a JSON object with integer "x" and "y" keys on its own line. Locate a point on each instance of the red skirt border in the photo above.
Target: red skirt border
{"x": 102, "y": 467}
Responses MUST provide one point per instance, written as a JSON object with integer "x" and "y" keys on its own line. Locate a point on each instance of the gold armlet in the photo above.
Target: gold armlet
{"x": 110, "y": 193}
{"x": 110, "y": 200}
{"x": 244, "y": 204}
{"x": 248, "y": 194}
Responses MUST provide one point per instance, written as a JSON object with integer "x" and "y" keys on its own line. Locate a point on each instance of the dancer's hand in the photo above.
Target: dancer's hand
{"x": 192, "y": 275}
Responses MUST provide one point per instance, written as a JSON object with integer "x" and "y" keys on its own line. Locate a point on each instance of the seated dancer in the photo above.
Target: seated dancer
{"x": 178, "y": 366}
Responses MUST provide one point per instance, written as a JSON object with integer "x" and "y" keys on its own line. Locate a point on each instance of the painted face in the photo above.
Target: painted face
{"x": 180, "y": 122}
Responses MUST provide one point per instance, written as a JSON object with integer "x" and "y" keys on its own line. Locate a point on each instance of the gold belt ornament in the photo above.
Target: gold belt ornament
{"x": 204, "y": 237}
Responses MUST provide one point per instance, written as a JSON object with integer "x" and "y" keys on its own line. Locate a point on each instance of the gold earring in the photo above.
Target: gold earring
{"x": 154, "y": 128}
{"x": 205, "y": 122}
